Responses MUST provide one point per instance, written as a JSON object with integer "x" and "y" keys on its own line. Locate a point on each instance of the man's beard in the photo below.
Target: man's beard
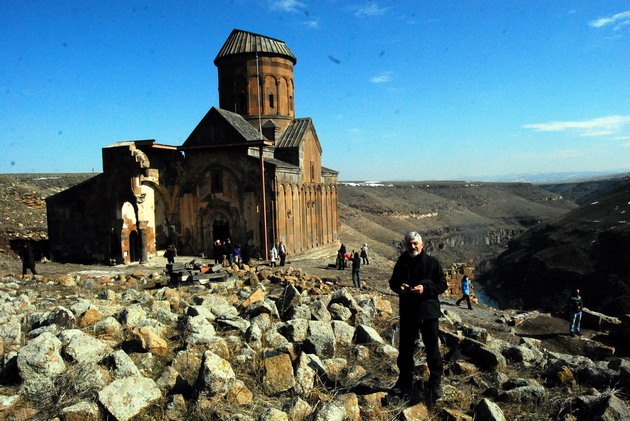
{"x": 413, "y": 253}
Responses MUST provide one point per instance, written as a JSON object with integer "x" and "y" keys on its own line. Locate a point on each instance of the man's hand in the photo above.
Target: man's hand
{"x": 418, "y": 289}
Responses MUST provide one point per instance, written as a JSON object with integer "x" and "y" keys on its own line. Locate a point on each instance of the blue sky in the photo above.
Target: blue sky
{"x": 419, "y": 90}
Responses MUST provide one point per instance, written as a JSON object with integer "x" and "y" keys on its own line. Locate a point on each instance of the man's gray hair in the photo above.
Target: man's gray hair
{"x": 411, "y": 235}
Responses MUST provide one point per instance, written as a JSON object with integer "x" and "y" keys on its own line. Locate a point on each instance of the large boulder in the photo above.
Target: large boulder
{"x": 217, "y": 375}
{"x": 127, "y": 397}
{"x": 40, "y": 358}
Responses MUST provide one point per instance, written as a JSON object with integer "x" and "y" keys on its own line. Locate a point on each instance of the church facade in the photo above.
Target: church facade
{"x": 250, "y": 171}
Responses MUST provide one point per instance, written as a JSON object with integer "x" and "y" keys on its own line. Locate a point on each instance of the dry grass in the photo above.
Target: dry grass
{"x": 72, "y": 386}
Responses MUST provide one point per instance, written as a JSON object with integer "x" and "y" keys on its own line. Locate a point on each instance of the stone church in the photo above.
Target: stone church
{"x": 250, "y": 171}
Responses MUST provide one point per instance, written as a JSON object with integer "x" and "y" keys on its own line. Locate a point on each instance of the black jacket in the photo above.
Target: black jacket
{"x": 575, "y": 303}
{"x": 422, "y": 269}
{"x": 356, "y": 262}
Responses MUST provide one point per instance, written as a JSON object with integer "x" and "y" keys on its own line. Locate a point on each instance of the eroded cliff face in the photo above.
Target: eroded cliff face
{"x": 459, "y": 221}
{"x": 588, "y": 248}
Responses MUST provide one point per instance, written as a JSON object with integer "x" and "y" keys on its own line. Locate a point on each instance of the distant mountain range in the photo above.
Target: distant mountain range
{"x": 542, "y": 177}
{"x": 555, "y": 177}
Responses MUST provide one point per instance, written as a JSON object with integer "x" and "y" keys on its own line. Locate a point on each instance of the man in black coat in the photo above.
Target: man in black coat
{"x": 418, "y": 279}
{"x": 28, "y": 259}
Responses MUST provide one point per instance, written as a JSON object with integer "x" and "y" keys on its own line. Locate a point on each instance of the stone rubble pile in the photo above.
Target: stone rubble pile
{"x": 266, "y": 344}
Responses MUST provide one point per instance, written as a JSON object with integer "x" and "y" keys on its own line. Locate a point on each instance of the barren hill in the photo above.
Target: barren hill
{"x": 459, "y": 220}
{"x": 587, "y": 248}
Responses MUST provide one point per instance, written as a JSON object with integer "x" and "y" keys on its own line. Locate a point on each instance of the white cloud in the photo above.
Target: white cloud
{"x": 620, "y": 20}
{"x": 626, "y": 144}
{"x": 384, "y": 77}
{"x": 286, "y": 5}
{"x": 312, "y": 24}
{"x": 601, "y": 126}
{"x": 622, "y": 138}
{"x": 372, "y": 9}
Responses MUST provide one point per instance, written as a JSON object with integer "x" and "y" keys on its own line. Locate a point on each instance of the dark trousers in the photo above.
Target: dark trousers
{"x": 429, "y": 329}
{"x": 28, "y": 266}
{"x": 282, "y": 257}
{"x": 465, "y": 297}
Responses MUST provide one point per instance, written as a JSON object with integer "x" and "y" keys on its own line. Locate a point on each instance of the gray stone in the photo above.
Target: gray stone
{"x": 122, "y": 365}
{"x": 107, "y": 326}
{"x": 263, "y": 306}
{"x": 297, "y": 409}
{"x": 40, "y": 357}
{"x": 482, "y": 356}
{"x": 523, "y": 394}
{"x": 83, "y": 410}
{"x": 273, "y": 414}
{"x": 343, "y": 332}
{"x": 83, "y": 348}
{"x": 200, "y": 330}
{"x": 80, "y": 307}
{"x": 296, "y": 330}
{"x": 345, "y": 298}
{"x": 339, "y": 312}
{"x": 217, "y": 375}
{"x": 343, "y": 407}
{"x": 132, "y": 315}
{"x": 322, "y": 345}
{"x": 290, "y": 297}
{"x": 200, "y": 310}
{"x": 309, "y": 372}
{"x": 219, "y": 306}
{"x": 486, "y": 410}
{"x": 127, "y": 397}
{"x": 598, "y": 377}
{"x": 233, "y": 322}
{"x": 365, "y": 335}
{"x": 319, "y": 309}
{"x": 301, "y": 311}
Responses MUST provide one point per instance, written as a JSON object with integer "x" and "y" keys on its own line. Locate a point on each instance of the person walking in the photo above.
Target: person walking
{"x": 28, "y": 259}
{"x": 418, "y": 279}
{"x": 364, "y": 254}
{"x": 170, "y": 253}
{"x": 465, "y": 292}
{"x": 356, "y": 270}
{"x": 237, "y": 254}
{"x": 341, "y": 256}
{"x": 576, "y": 306}
{"x": 273, "y": 256}
{"x": 229, "y": 251}
{"x": 282, "y": 252}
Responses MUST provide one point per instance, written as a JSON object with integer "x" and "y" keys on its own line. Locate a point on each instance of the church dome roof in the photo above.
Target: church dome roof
{"x": 243, "y": 42}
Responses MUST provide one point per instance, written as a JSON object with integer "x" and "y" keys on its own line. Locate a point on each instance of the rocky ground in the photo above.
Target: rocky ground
{"x": 267, "y": 344}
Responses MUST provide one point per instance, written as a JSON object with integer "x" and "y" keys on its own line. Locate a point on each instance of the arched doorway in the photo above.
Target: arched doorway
{"x": 134, "y": 246}
{"x": 220, "y": 230}
{"x": 218, "y": 225}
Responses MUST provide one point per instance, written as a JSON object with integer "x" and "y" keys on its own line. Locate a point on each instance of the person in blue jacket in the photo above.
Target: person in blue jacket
{"x": 575, "y": 312}
{"x": 465, "y": 292}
